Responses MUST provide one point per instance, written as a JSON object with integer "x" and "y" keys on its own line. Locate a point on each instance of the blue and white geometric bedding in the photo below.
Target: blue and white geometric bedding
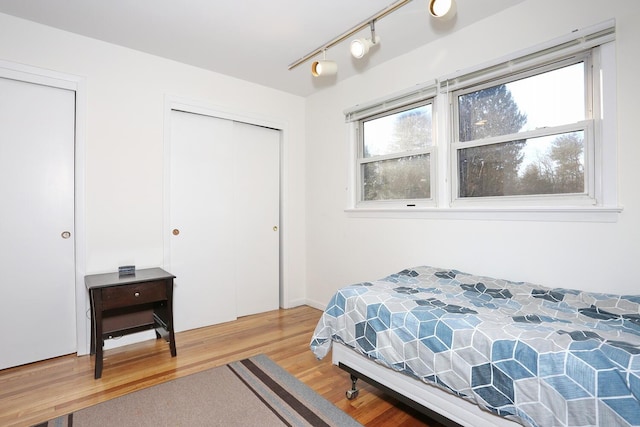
{"x": 540, "y": 356}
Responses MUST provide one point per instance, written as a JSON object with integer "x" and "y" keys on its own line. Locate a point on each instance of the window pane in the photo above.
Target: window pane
{"x": 403, "y": 178}
{"x": 396, "y": 133}
{"x": 549, "y": 99}
{"x": 546, "y": 165}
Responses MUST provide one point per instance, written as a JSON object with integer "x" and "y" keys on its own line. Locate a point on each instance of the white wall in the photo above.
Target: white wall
{"x": 587, "y": 255}
{"x": 125, "y": 96}
{"x": 126, "y": 90}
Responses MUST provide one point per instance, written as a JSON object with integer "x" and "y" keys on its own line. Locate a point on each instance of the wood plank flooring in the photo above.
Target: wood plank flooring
{"x": 41, "y": 391}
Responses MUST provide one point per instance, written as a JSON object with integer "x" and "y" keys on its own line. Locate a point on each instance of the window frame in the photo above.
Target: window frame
{"x": 362, "y": 160}
{"x": 588, "y": 196}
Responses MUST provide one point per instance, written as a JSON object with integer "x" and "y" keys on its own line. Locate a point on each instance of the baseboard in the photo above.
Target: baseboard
{"x": 316, "y": 304}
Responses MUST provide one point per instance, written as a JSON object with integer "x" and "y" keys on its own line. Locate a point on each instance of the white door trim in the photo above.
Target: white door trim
{"x": 172, "y": 102}
{"x": 77, "y": 84}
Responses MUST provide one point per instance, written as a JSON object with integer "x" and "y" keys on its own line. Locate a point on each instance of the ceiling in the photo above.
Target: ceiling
{"x": 253, "y": 40}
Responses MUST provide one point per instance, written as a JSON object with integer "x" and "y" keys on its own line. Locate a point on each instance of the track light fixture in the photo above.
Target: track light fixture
{"x": 442, "y": 9}
{"x": 324, "y": 67}
{"x": 360, "y": 47}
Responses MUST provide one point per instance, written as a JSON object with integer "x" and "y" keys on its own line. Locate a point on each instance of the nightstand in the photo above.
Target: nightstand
{"x": 122, "y": 305}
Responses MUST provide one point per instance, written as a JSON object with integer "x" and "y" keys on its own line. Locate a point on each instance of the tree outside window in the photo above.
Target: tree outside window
{"x": 551, "y": 163}
{"x": 398, "y": 164}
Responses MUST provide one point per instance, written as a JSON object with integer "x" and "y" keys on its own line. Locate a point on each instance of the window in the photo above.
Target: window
{"x": 393, "y": 150}
{"x": 395, "y": 155}
{"x": 527, "y": 134}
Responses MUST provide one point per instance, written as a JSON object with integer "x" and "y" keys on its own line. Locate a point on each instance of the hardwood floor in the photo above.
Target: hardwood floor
{"x": 41, "y": 391}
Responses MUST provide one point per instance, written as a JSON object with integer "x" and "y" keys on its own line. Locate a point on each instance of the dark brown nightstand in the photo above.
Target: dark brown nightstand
{"x": 123, "y": 305}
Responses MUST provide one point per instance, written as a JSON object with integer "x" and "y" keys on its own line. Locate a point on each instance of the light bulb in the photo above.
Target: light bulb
{"x": 324, "y": 68}
{"x": 443, "y": 9}
{"x": 360, "y": 47}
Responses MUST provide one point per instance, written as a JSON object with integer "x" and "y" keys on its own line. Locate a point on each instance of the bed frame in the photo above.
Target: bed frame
{"x": 437, "y": 404}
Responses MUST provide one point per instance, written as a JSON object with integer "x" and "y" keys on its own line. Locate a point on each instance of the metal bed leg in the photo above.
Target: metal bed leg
{"x": 353, "y": 393}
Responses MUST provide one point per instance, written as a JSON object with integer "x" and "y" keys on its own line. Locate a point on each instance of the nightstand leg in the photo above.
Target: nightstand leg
{"x": 98, "y": 371}
{"x": 98, "y": 339}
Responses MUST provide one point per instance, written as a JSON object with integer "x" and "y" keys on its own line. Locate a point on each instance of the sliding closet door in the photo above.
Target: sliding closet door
{"x": 224, "y": 219}
{"x": 257, "y": 211}
{"x": 202, "y": 214}
{"x": 37, "y": 292}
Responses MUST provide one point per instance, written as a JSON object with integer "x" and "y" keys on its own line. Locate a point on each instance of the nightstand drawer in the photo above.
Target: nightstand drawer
{"x": 134, "y": 294}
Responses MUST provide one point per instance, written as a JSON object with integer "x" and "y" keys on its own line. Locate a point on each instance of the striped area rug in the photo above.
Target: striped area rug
{"x": 249, "y": 392}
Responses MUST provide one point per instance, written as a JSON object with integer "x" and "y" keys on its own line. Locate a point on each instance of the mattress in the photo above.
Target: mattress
{"x": 538, "y": 355}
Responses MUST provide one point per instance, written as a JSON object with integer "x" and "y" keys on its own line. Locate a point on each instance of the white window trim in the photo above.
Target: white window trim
{"x": 576, "y": 42}
{"x": 412, "y": 95}
{"x": 589, "y": 198}
{"x": 361, "y": 160}
{"x": 606, "y": 208}
{"x": 407, "y": 98}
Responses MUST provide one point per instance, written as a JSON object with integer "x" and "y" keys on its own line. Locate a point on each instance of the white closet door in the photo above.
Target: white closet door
{"x": 224, "y": 219}
{"x": 202, "y": 215}
{"x": 37, "y": 293}
{"x": 257, "y": 211}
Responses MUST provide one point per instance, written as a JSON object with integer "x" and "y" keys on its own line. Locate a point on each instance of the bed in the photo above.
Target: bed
{"x": 483, "y": 351}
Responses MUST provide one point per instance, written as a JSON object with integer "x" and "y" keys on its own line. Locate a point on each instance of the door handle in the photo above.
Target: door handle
{"x": 65, "y": 234}
{"x": 175, "y": 232}
{"x": 275, "y": 228}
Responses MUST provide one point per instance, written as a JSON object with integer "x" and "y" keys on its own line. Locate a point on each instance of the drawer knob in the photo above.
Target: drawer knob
{"x": 137, "y": 294}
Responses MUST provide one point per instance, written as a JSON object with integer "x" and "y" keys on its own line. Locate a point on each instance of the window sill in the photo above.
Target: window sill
{"x": 567, "y": 214}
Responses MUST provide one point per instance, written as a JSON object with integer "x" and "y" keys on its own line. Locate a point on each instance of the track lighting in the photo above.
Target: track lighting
{"x": 442, "y": 9}
{"x": 324, "y": 67}
{"x": 360, "y": 47}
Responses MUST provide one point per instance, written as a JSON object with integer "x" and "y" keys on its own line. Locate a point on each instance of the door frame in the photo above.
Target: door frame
{"x": 171, "y": 103}
{"x": 30, "y": 74}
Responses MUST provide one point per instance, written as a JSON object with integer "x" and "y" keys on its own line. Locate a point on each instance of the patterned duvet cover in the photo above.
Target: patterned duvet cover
{"x": 540, "y": 356}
